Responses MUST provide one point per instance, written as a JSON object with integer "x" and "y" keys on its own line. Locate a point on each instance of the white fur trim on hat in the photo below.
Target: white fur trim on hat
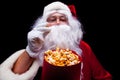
{"x": 56, "y": 7}
{"x": 7, "y": 74}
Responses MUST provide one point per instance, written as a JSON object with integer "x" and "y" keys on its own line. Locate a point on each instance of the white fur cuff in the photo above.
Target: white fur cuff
{"x": 7, "y": 74}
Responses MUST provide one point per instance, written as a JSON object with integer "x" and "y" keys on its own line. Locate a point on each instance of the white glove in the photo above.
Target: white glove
{"x": 36, "y": 40}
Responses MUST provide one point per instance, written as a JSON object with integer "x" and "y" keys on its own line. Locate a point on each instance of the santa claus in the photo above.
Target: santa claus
{"x": 58, "y": 27}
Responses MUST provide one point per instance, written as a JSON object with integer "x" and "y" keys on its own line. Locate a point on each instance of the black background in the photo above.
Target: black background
{"x": 98, "y": 17}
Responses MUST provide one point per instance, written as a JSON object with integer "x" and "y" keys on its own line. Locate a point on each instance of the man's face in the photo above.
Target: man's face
{"x": 57, "y": 19}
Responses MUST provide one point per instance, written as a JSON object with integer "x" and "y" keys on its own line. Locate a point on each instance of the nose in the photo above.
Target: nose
{"x": 58, "y": 21}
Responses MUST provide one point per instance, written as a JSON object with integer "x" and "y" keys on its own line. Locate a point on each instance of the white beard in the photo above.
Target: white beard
{"x": 62, "y": 36}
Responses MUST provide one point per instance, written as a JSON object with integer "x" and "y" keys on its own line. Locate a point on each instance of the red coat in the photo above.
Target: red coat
{"x": 92, "y": 69}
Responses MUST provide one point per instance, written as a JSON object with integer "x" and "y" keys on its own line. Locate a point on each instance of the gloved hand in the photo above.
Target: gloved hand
{"x": 36, "y": 40}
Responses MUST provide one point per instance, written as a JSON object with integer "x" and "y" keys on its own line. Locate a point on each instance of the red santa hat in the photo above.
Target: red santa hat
{"x": 73, "y": 10}
{"x": 60, "y": 7}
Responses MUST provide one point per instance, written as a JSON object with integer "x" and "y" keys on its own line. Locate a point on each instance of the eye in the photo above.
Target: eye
{"x": 63, "y": 18}
{"x": 51, "y": 19}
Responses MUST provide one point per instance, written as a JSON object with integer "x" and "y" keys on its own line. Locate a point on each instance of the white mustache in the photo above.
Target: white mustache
{"x": 60, "y": 27}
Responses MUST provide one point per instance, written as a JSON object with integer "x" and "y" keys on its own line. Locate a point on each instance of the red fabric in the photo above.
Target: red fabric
{"x": 92, "y": 69}
{"x": 73, "y": 10}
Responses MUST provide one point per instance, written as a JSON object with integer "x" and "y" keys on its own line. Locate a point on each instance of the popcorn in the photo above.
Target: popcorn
{"x": 61, "y": 57}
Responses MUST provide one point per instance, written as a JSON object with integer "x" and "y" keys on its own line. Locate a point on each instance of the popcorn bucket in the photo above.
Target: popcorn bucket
{"x": 53, "y": 72}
